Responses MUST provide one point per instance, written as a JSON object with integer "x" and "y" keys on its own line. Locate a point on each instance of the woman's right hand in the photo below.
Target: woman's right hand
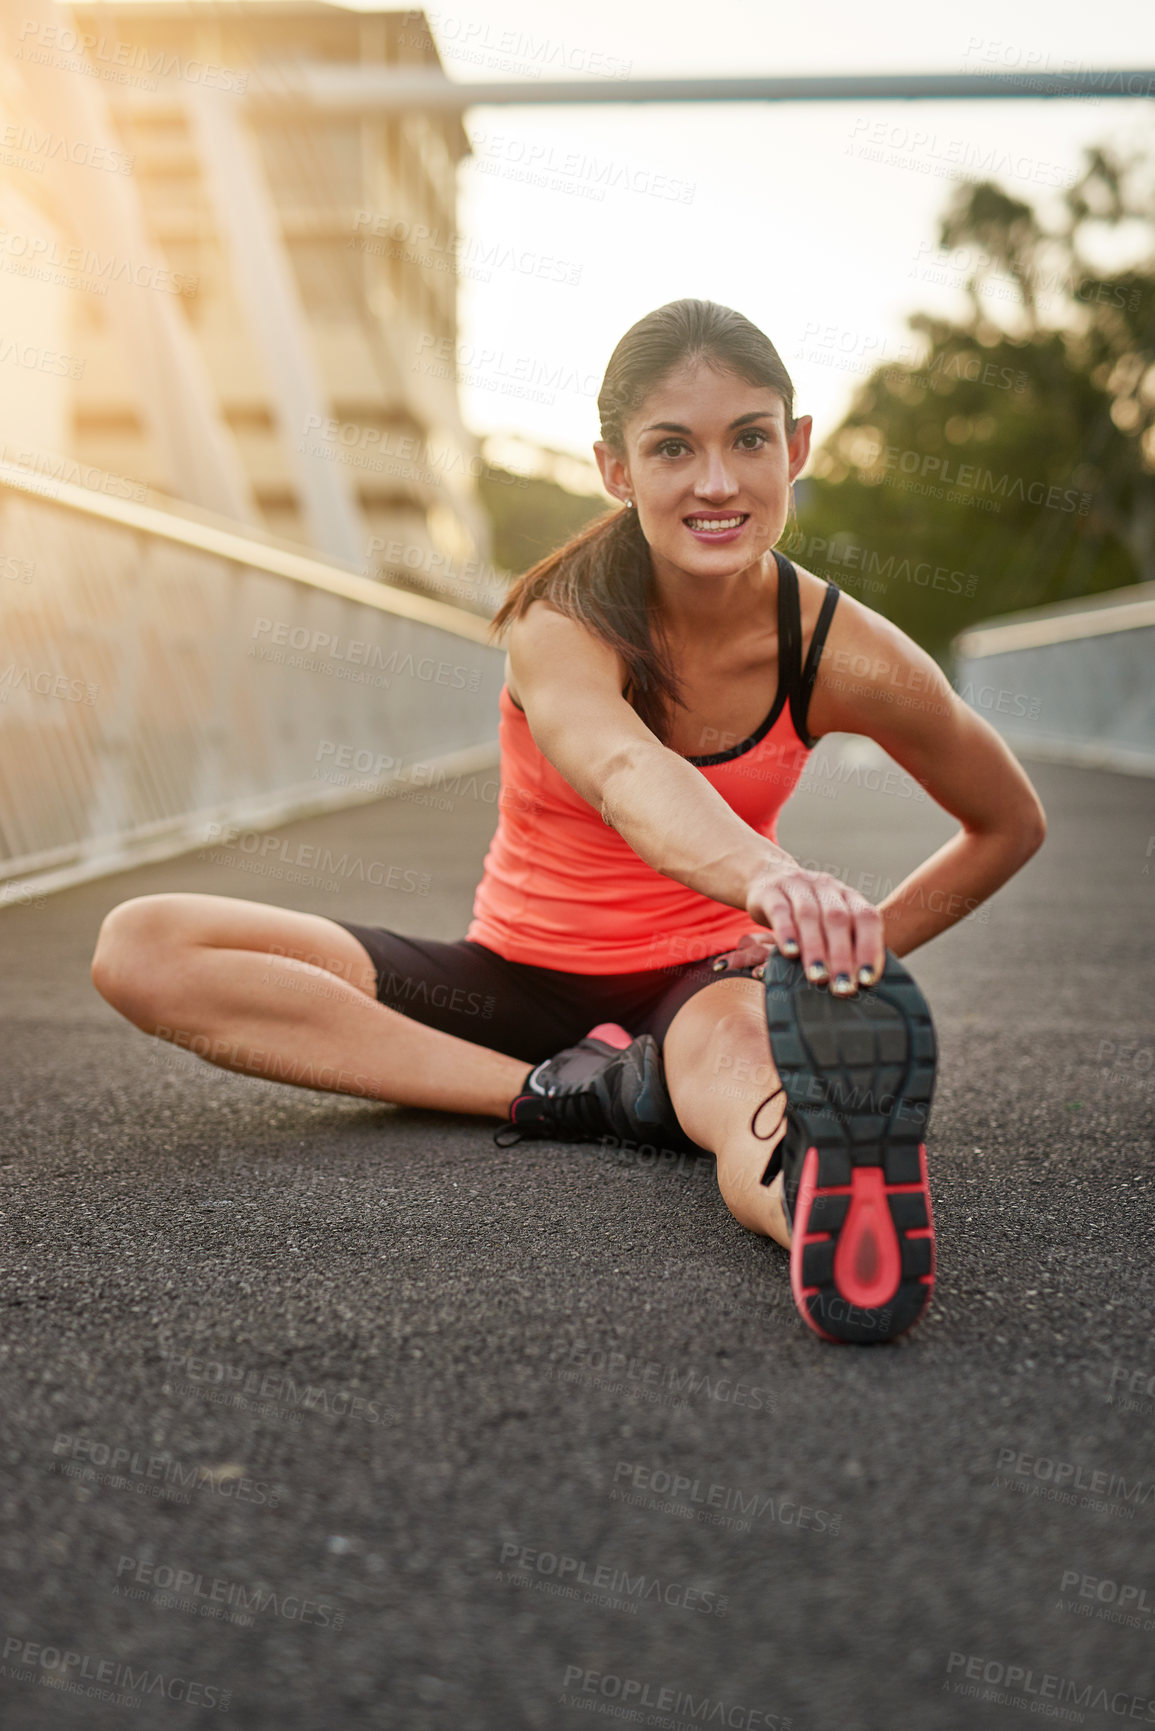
{"x": 835, "y": 931}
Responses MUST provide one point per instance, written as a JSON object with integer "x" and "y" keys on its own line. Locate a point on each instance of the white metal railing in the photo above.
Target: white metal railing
{"x": 160, "y": 675}
{"x": 1074, "y": 682}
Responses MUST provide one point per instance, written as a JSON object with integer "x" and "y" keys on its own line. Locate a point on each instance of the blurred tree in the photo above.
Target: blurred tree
{"x": 531, "y": 515}
{"x": 1012, "y": 462}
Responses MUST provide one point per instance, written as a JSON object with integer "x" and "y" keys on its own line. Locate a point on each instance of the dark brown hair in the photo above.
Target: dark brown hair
{"x": 602, "y": 576}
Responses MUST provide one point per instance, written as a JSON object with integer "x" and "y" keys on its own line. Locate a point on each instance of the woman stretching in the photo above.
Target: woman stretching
{"x": 645, "y": 963}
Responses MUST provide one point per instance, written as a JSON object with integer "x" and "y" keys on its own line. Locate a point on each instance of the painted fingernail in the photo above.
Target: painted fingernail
{"x": 866, "y": 976}
{"x": 789, "y": 947}
{"x": 843, "y": 985}
{"x": 816, "y": 973}
{"x": 760, "y": 971}
{"x": 719, "y": 964}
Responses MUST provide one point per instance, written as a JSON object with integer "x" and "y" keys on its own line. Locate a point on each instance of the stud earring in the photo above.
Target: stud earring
{"x": 629, "y": 504}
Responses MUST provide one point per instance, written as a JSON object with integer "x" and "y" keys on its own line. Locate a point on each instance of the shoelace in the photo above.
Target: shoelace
{"x": 757, "y": 1109}
{"x": 583, "y": 1112}
{"x": 775, "y": 1162}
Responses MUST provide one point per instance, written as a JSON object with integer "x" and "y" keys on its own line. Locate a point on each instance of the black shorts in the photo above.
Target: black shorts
{"x": 463, "y": 988}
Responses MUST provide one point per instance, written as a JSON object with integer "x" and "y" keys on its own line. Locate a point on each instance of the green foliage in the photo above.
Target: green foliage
{"x": 531, "y": 516}
{"x": 1012, "y": 463}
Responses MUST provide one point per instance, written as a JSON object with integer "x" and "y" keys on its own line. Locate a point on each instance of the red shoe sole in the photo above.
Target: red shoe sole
{"x": 862, "y": 1257}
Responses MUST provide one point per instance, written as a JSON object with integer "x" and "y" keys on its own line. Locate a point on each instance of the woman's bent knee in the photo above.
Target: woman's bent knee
{"x": 128, "y": 962}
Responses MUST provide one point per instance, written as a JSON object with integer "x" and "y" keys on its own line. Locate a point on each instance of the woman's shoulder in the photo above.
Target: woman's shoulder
{"x": 552, "y": 643}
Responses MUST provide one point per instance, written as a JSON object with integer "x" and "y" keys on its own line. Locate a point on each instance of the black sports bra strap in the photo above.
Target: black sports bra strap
{"x": 810, "y": 671}
{"x": 789, "y": 628}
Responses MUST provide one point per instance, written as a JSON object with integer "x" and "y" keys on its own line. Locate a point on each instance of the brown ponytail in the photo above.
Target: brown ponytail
{"x": 603, "y": 576}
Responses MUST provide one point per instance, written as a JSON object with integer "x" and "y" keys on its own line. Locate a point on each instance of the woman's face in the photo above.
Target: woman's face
{"x": 708, "y": 465}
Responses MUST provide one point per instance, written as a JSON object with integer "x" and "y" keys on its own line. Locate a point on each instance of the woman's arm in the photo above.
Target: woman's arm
{"x": 570, "y": 686}
{"x": 873, "y": 680}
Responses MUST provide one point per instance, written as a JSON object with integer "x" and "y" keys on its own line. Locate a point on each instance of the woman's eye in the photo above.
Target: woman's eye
{"x": 751, "y": 440}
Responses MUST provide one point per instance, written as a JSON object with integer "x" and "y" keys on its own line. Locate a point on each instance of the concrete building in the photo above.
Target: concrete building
{"x": 313, "y": 256}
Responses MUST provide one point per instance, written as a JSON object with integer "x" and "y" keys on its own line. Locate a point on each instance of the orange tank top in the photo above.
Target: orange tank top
{"x": 561, "y": 889}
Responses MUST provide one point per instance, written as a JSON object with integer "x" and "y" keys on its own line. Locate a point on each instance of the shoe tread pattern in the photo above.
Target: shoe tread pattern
{"x": 859, "y": 1078}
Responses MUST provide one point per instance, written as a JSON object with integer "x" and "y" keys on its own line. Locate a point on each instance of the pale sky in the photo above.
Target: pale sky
{"x": 790, "y": 221}
{"x": 785, "y": 210}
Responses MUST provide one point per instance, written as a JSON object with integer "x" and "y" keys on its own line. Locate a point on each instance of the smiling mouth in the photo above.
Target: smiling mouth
{"x": 715, "y": 525}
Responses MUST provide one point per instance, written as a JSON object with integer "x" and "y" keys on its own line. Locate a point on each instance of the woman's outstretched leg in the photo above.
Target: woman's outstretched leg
{"x": 860, "y": 1077}
{"x": 719, "y": 1070}
{"x": 288, "y": 996}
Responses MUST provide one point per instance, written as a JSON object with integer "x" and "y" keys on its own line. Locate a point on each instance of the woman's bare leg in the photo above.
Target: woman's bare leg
{"x": 288, "y": 996}
{"x": 719, "y": 1068}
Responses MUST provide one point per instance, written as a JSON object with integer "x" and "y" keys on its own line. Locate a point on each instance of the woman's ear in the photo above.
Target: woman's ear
{"x": 798, "y": 445}
{"x": 614, "y": 473}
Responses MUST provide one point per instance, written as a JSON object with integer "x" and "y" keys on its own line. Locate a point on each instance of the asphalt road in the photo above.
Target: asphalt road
{"x": 327, "y": 1414}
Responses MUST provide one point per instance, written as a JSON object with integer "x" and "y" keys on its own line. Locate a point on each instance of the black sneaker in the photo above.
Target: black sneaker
{"x": 608, "y": 1085}
{"x": 858, "y": 1074}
